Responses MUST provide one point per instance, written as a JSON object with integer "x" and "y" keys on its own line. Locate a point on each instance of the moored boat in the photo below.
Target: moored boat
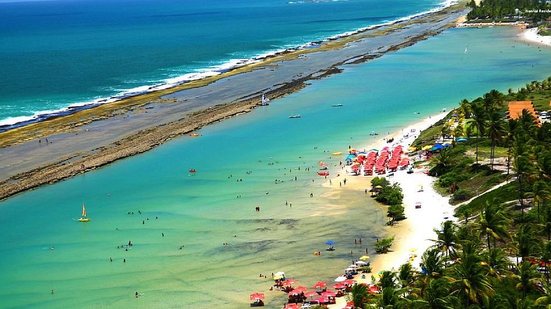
{"x": 264, "y": 100}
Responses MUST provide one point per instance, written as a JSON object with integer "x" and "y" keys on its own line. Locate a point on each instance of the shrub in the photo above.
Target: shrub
{"x": 383, "y": 245}
{"x": 396, "y": 212}
{"x": 462, "y": 195}
{"x": 390, "y": 195}
{"x": 380, "y": 181}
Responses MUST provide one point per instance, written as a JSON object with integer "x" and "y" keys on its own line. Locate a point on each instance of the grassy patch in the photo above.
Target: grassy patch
{"x": 479, "y": 182}
{"x": 428, "y": 136}
{"x": 506, "y": 193}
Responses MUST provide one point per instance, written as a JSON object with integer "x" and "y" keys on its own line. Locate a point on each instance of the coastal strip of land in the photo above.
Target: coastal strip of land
{"x": 52, "y": 150}
{"x": 413, "y": 235}
{"x": 531, "y": 35}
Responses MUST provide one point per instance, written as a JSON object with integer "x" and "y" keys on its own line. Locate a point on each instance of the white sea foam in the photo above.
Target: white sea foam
{"x": 204, "y": 72}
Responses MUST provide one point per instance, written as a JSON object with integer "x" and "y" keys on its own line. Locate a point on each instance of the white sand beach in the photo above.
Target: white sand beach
{"x": 531, "y": 35}
{"x": 413, "y": 235}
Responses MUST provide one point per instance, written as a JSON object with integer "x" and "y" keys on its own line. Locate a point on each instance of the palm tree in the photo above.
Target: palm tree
{"x": 437, "y": 295}
{"x": 496, "y": 262}
{"x": 465, "y": 107}
{"x": 528, "y": 278}
{"x": 547, "y": 222}
{"x": 492, "y": 101}
{"x": 521, "y": 164}
{"x": 546, "y": 258}
{"x": 469, "y": 280}
{"x": 493, "y": 222}
{"x": 442, "y": 161}
{"x": 432, "y": 264}
{"x": 496, "y": 130}
{"x": 406, "y": 275}
{"x": 511, "y": 126}
{"x": 359, "y": 295}
{"x": 478, "y": 118}
{"x": 389, "y": 298}
{"x": 447, "y": 239}
{"x": 526, "y": 240}
{"x": 387, "y": 279}
{"x": 541, "y": 193}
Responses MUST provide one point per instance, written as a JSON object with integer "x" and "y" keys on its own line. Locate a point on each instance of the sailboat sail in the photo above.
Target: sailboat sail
{"x": 265, "y": 100}
{"x": 84, "y": 218}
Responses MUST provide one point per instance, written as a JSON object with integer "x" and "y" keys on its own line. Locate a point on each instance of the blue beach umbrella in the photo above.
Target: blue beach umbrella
{"x": 437, "y": 147}
{"x": 329, "y": 242}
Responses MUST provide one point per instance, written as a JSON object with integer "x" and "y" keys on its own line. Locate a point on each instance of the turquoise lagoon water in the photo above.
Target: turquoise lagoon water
{"x": 42, "y": 248}
{"x": 62, "y": 52}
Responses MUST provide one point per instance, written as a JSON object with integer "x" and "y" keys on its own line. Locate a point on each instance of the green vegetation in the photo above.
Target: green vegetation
{"x": 510, "y": 10}
{"x": 485, "y": 159}
{"x": 499, "y": 254}
{"x": 390, "y": 195}
{"x": 383, "y": 245}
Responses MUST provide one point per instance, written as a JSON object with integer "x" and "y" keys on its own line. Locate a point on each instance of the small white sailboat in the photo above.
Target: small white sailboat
{"x": 84, "y": 217}
{"x": 264, "y": 100}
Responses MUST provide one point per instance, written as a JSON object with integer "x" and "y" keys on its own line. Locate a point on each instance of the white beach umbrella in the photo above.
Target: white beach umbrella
{"x": 340, "y": 279}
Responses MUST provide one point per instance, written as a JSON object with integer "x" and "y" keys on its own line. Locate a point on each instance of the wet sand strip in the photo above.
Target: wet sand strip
{"x": 56, "y": 149}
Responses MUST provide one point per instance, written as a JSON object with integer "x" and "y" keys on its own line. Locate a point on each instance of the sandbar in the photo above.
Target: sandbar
{"x": 52, "y": 150}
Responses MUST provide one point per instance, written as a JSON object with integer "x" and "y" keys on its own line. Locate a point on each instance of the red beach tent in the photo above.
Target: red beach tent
{"x": 256, "y": 295}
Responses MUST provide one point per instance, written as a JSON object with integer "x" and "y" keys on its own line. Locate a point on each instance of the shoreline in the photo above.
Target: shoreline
{"x": 412, "y": 235}
{"x": 160, "y": 116}
{"x": 203, "y": 73}
{"x": 531, "y": 36}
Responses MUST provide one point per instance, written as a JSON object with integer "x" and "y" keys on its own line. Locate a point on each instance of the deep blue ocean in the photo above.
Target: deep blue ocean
{"x": 62, "y": 52}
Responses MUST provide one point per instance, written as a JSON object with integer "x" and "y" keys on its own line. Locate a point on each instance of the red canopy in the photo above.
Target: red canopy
{"x": 322, "y": 300}
{"x": 311, "y": 293}
{"x": 288, "y": 282}
{"x": 328, "y": 294}
{"x": 349, "y": 282}
{"x": 256, "y": 295}
{"x": 320, "y": 284}
{"x": 298, "y": 290}
{"x": 292, "y": 306}
{"x": 373, "y": 289}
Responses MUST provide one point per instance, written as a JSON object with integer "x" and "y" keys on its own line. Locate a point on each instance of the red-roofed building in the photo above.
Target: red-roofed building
{"x": 516, "y": 108}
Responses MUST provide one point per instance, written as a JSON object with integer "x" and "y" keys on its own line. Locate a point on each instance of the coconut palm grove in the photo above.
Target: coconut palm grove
{"x": 498, "y": 253}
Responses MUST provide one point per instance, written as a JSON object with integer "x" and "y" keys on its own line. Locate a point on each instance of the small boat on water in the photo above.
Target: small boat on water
{"x": 336, "y": 105}
{"x": 295, "y": 116}
{"x": 84, "y": 217}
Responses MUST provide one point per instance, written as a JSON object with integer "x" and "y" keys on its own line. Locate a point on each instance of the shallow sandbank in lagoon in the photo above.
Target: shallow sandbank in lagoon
{"x": 95, "y": 137}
